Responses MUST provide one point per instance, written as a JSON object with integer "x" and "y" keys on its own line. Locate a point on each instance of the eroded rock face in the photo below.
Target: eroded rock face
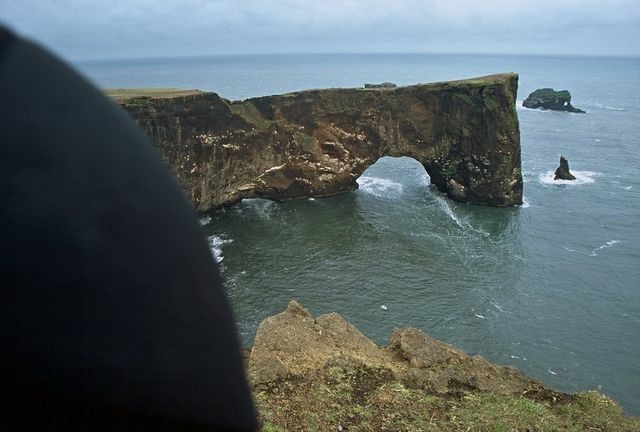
{"x": 317, "y": 143}
{"x": 294, "y": 343}
{"x": 547, "y": 98}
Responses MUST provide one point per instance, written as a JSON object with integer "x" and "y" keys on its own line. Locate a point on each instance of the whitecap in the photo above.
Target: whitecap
{"x": 552, "y": 372}
{"x": 525, "y": 203}
{"x": 204, "y": 220}
{"x": 582, "y": 177}
{"x": 311, "y": 199}
{"x": 215, "y": 245}
{"x": 497, "y": 306}
{"x": 383, "y": 307}
{"x": 595, "y": 251}
{"x": 480, "y": 316}
{"x": 514, "y": 356}
{"x": 627, "y": 187}
{"x": 379, "y": 187}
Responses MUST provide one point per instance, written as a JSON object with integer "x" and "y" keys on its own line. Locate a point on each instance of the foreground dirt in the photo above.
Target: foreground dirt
{"x": 322, "y": 374}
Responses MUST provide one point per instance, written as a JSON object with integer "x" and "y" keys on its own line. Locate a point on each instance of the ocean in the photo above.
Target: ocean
{"x": 551, "y": 287}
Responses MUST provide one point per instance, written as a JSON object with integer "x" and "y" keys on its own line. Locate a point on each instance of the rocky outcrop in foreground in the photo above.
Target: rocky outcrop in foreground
{"x": 562, "y": 172}
{"x": 296, "y": 343}
{"x": 549, "y": 99}
{"x": 317, "y": 143}
{"x": 321, "y": 373}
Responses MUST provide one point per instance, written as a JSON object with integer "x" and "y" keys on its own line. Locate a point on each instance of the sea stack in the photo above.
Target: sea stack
{"x": 562, "y": 173}
{"x": 549, "y": 99}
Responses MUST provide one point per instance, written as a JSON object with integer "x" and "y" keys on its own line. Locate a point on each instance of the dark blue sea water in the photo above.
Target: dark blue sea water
{"x": 551, "y": 287}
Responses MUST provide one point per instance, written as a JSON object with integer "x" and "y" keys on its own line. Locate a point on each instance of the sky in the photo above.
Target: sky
{"x": 108, "y": 29}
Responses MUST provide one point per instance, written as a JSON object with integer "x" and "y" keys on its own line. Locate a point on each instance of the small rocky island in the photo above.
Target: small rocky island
{"x": 317, "y": 143}
{"x": 549, "y": 99}
{"x": 562, "y": 172}
{"x": 322, "y": 373}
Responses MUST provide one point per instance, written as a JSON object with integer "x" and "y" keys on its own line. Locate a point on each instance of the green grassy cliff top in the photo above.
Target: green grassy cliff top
{"x": 121, "y": 95}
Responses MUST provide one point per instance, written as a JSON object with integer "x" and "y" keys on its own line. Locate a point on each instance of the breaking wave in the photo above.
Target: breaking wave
{"x": 380, "y": 187}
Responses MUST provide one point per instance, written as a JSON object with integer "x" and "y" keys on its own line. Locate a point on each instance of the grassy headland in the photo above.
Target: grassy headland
{"x": 121, "y": 95}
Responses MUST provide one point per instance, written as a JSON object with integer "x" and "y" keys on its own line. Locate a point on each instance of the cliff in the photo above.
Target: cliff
{"x": 318, "y": 142}
{"x": 321, "y": 373}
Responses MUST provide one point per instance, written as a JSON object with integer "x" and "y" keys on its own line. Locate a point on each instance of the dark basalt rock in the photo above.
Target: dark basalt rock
{"x": 547, "y": 98}
{"x": 317, "y": 143}
{"x": 562, "y": 173}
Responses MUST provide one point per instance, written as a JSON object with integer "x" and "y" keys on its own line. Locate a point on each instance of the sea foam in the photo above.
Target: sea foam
{"x": 215, "y": 244}
{"x": 446, "y": 208}
{"x": 263, "y": 208}
{"x": 380, "y": 187}
{"x": 582, "y": 178}
{"x": 595, "y": 251}
{"x": 443, "y": 204}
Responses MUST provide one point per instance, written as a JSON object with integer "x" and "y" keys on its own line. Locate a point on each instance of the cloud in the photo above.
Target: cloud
{"x": 126, "y": 28}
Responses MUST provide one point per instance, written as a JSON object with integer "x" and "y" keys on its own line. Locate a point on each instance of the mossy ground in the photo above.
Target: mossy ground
{"x": 360, "y": 398}
{"x": 122, "y": 95}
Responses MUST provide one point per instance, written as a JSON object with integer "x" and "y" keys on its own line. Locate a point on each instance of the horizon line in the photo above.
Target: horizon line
{"x": 229, "y": 55}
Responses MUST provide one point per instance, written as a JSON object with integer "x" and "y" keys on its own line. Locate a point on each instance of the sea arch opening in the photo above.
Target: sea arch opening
{"x": 393, "y": 176}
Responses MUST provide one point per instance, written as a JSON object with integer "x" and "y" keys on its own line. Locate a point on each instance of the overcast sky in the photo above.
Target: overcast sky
{"x": 93, "y": 29}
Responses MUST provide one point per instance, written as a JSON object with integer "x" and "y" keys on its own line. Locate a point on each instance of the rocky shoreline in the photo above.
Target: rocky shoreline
{"x": 322, "y": 373}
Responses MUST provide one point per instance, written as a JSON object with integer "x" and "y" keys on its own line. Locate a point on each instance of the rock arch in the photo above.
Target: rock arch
{"x": 318, "y": 142}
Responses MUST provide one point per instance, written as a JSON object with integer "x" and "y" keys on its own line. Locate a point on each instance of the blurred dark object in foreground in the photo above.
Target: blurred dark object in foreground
{"x": 113, "y": 315}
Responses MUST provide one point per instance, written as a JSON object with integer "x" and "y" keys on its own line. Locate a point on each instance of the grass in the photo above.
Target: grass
{"x": 305, "y": 142}
{"x": 360, "y": 398}
{"x": 123, "y": 94}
